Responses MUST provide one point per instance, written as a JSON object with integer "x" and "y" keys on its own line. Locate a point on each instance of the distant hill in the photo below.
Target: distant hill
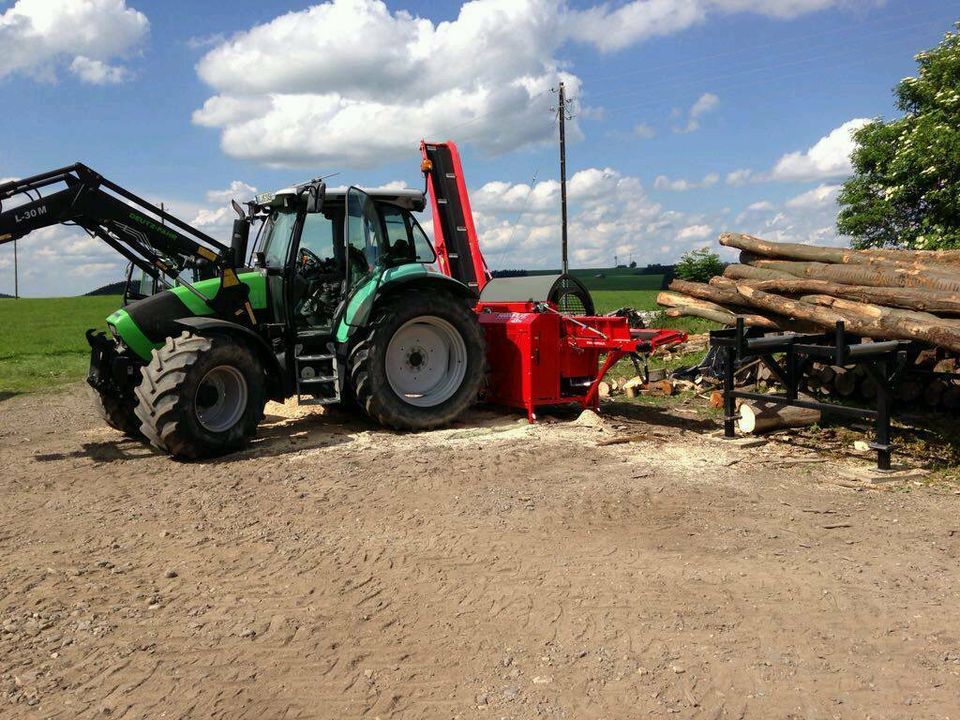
{"x": 111, "y": 289}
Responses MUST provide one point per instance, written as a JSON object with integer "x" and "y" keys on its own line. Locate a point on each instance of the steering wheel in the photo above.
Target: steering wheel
{"x": 309, "y": 260}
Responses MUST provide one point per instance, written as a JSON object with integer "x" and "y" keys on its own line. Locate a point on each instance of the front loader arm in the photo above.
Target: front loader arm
{"x": 148, "y": 236}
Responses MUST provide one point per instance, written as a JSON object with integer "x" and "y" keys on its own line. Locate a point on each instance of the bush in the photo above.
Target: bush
{"x": 699, "y": 266}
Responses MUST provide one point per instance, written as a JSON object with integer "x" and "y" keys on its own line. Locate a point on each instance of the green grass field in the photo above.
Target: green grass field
{"x": 42, "y": 343}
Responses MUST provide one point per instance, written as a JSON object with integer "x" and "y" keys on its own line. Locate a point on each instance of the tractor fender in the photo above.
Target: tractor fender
{"x": 433, "y": 281}
{"x": 275, "y": 374}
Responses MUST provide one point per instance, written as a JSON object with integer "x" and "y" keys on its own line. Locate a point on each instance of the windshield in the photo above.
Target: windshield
{"x": 277, "y": 234}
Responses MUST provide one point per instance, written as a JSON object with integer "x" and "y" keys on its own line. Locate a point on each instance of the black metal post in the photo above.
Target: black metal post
{"x": 562, "y": 111}
{"x": 729, "y": 402}
{"x": 16, "y": 272}
{"x": 882, "y": 427}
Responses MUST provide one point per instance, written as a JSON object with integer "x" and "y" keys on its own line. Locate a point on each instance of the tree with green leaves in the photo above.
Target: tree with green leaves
{"x": 699, "y": 266}
{"x": 906, "y": 187}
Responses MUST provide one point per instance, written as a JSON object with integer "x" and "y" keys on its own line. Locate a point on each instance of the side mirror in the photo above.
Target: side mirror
{"x": 315, "y": 195}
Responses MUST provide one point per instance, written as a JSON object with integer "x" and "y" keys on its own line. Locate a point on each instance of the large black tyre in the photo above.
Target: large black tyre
{"x": 118, "y": 411}
{"x": 375, "y": 389}
{"x": 201, "y": 396}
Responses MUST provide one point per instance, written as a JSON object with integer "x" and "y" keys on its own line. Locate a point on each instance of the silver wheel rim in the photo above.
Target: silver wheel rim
{"x": 426, "y": 361}
{"x": 221, "y": 398}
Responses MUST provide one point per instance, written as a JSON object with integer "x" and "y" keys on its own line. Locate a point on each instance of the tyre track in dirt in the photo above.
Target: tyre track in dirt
{"x": 334, "y": 570}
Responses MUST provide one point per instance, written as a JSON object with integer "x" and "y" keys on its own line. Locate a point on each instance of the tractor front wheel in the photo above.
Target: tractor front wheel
{"x": 421, "y": 362}
{"x": 118, "y": 411}
{"x": 201, "y": 396}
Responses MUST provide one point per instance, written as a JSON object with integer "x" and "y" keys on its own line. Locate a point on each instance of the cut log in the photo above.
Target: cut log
{"x": 603, "y": 390}
{"x": 934, "y": 301}
{"x": 722, "y": 295}
{"x": 870, "y": 275}
{"x": 868, "y": 389}
{"x": 933, "y": 394}
{"x": 716, "y": 399}
{"x": 759, "y": 417}
{"x": 867, "y": 320}
{"x": 844, "y": 382}
{"x": 748, "y": 272}
{"x": 843, "y": 256}
{"x": 951, "y": 397}
{"x": 681, "y": 305}
{"x": 909, "y": 391}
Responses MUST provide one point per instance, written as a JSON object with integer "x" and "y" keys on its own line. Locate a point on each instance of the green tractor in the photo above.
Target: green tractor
{"x": 339, "y": 304}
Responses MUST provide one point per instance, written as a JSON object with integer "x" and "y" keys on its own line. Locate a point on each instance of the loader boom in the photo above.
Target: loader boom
{"x": 155, "y": 241}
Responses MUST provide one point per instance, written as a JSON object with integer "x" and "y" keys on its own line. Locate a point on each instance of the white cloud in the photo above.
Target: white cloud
{"x": 39, "y": 36}
{"x": 821, "y": 196}
{"x": 739, "y": 177}
{"x": 97, "y": 72}
{"x": 706, "y": 103}
{"x": 614, "y": 28}
{"x": 828, "y": 158}
{"x": 662, "y": 182}
{"x": 644, "y": 131}
{"x": 694, "y": 232}
{"x": 483, "y": 77}
{"x": 761, "y": 206}
{"x": 238, "y": 190}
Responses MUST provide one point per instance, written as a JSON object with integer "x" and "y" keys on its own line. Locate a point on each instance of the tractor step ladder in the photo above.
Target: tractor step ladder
{"x": 317, "y": 377}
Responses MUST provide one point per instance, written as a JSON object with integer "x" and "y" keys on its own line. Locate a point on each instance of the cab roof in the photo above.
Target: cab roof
{"x": 407, "y": 198}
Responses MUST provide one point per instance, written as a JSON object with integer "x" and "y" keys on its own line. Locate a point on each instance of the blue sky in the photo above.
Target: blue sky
{"x": 692, "y": 117}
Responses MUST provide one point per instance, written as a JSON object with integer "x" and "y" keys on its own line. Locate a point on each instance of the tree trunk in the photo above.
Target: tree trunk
{"x": 867, "y": 320}
{"x": 683, "y": 305}
{"x": 748, "y": 272}
{"x": 871, "y": 275}
{"x": 758, "y": 417}
{"x": 935, "y": 301}
{"x": 843, "y": 256}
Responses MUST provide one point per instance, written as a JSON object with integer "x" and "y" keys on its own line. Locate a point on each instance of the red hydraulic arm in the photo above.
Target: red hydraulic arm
{"x": 455, "y": 237}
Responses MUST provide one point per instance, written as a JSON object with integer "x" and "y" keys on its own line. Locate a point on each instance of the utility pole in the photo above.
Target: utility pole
{"x": 562, "y": 115}
{"x": 16, "y": 272}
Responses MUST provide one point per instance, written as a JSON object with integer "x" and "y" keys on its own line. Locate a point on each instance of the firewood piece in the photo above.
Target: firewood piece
{"x": 909, "y": 391}
{"x": 868, "y": 389}
{"x": 951, "y": 397}
{"x": 603, "y": 389}
{"x": 716, "y": 399}
{"x": 933, "y": 394}
{"x": 844, "y": 381}
{"x": 758, "y": 417}
{"x": 661, "y": 387}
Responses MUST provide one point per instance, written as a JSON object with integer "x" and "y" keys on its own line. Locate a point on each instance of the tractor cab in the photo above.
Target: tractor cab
{"x": 317, "y": 253}
{"x": 328, "y": 257}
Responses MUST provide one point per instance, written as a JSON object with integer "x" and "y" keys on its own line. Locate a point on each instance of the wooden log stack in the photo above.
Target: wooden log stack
{"x": 878, "y": 294}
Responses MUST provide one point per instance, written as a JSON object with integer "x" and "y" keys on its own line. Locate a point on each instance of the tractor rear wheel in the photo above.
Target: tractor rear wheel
{"x": 201, "y": 396}
{"x": 118, "y": 411}
{"x": 420, "y": 363}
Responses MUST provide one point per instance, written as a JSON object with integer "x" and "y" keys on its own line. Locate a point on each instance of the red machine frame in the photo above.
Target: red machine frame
{"x": 537, "y": 356}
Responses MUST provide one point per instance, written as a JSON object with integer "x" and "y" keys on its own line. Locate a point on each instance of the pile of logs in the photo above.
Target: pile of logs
{"x": 879, "y": 294}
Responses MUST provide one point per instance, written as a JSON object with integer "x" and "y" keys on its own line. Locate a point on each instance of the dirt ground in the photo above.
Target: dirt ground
{"x": 493, "y": 570}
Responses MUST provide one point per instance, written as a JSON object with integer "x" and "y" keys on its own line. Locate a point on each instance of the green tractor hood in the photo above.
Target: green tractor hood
{"x": 144, "y": 324}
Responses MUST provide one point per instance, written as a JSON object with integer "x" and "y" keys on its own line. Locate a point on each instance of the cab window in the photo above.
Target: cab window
{"x": 276, "y": 238}
{"x": 406, "y": 240}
